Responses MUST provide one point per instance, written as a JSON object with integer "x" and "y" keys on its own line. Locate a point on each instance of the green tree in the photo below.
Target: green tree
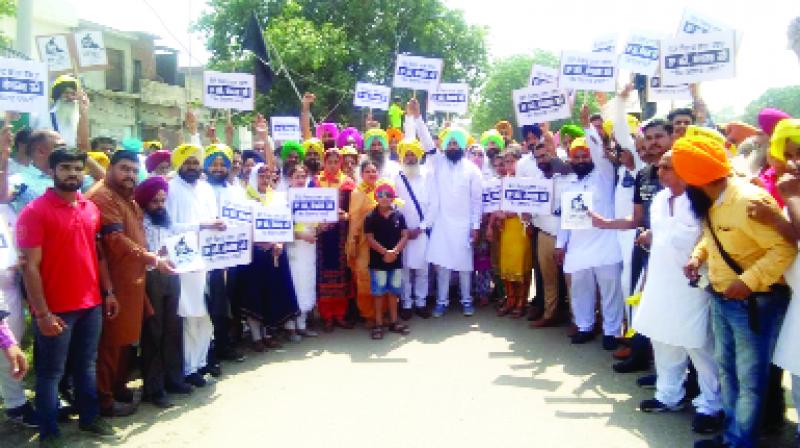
{"x": 327, "y": 46}
{"x": 495, "y": 100}
{"x": 786, "y": 99}
{"x": 7, "y": 9}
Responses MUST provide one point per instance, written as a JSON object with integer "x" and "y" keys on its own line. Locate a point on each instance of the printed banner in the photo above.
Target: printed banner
{"x": 91, "y": 50}
{"x": 273, "y": 224}
{"x": 543, "y": 75}
{"x": 230, "y": 247}
{"x": 492, "y": 191}
{"x": 699, "y": 57}
{"x": 693, "y": 22}
{"x": 539, "y": 104}
{"x": 314, "y": 204}
{"x": 55, "y": 52}
{"x": 184, "y": 252}
{"x": 285, "y": 128}
{"x": 452, "y": 97}
{"x": 656, "y": 92}
{"x": 605, "y": 44}
{"x": 417, "y": 73}
{"x": 640, "y": 54}
{"x": 527, "y": 195}
{"x": 229, "y": 90}
{"x": 588, "y": 71}
{"x": 23, "y": 86}
{"x": 234, "y": 212}
{"x": 575, "y": 206}
{"x": 372, "y": 96}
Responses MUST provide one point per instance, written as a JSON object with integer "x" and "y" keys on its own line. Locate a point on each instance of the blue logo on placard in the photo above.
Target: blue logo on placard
{"x": 449, "y": 97}
{"x": 273, "y": 224}
{"x": 697, "y": 58}
{"x": 229, "y": 91}
{"x": 21, "y": 86}
{"x": 374, "y": 97}
{"x": 419, "y": 73}
{"x": 513, "y": 194}
{"x": 236, "y": 214}
{"x": 589, "y": 70}
{"x": 315, "y": 205}
{"x": 642, "y": 51}
{"x": 544, "y": 103}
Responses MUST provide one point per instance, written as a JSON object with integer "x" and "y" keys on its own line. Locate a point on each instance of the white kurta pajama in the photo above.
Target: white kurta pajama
{"x": 303, "y": 265}
{"x": 593, "y": 255}
{"x": 415, "y": 263}
{"x": 674, "y": 315}
{"x": 455, "y": 210}
{"x": 787, "y": 354}
{"x": 193, "y": 204}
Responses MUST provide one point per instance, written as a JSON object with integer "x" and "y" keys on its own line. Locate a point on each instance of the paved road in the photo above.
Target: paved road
{"x": 460, "y": 382}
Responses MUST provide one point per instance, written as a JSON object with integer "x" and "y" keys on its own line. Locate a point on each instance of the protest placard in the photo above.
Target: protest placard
{"x": 588, "y": 71}
{"x": 417, "y": 73}
{"x": 229, "y": 90}
{"x": 273, "y": 223}
{"x": 55, "y": 52}
{"x": 23, "y": 86}
{"x": 235, "y": 212}
{"x": 184, "y": 252}
{"x": 492, "y": 191}
{"x": 538, "y": 104}
{"x": 693, "y": 22}
{"x": 449, "y": 97}
{"x": 527, "y": 195}
{"x": 91, "y": 49}
{"x": 285, "y": 128}
{"x": 605, "y": 44}
{"x": 698, "y": 57}
{"x": 575, "y": 206}
{"x": 640, "y": 54}
{"x": 543, "y": 75}
{"x": 226, "y": 248}
{"x": 656, "y": 91}
{"x": 314, "y": 204}
{"x": 372, "y": 96}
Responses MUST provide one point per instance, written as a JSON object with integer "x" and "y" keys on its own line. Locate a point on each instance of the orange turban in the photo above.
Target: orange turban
{"x": 578, "y": 144}
{"x": 700, "y": 160}
{"x": 504, "y": 125}
{"x": 394, "y": 134}
{"x": 737, "y": 131}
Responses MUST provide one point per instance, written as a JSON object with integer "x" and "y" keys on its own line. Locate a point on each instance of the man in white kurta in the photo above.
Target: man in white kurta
{"x": 411, "y": 184}
{"x": 673, "y": 314}
{"x": 191, "y": 200}
{"x": 454, "y": 218}
{"x": 592, "y": 255}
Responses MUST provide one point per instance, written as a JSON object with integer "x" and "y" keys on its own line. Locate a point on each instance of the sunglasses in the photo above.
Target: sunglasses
{"x": 384, "y": 194}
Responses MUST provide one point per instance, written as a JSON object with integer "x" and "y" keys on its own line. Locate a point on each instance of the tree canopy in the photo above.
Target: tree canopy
{"x": 786, "y": 99}
{"x": 327, "y": 46}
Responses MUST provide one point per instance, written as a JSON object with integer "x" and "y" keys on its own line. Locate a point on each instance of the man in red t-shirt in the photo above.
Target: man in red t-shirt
{"x": 57, "y": 235}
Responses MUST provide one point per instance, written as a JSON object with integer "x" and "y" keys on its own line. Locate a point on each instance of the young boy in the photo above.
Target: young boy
{"x": 386, "y": 233}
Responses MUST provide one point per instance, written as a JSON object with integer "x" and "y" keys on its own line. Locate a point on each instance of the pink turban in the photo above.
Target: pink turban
{"x": 768, "y": 118}
{"x": 148, "y": 189}
{"x": 350, "y": 136}
{"x": 330, "y": 128}
{"x": 156, "y": 158}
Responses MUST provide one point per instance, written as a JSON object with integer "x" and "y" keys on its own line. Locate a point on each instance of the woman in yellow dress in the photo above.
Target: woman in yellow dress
{"x": 516, "y": 262}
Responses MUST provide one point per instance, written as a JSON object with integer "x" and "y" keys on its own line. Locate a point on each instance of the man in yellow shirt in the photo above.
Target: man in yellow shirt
{"x": 746, "y": 261}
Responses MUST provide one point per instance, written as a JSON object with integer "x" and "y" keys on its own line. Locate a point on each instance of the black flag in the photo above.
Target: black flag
{"x": 254, "y": 41}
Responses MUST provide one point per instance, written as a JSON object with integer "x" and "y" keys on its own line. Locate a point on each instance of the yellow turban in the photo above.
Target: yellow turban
{"x": 407, "y": 145}
{"x": 99, "y": 157}
{"x": 700, "y": 160}
{"x": 183, "y": 152}
{"x": 633, "y": 125}
{"x": 786, "y": 129}
{"x": 314, "y": 144}
{"x": 577, "y": 144}
{"x": 153, "y": 144}
{"x": 470, "y": 140}
{"x": 699, "y": 131}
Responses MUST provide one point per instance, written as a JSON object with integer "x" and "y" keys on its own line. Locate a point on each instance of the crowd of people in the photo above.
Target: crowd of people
{"x": 688, "y": 265}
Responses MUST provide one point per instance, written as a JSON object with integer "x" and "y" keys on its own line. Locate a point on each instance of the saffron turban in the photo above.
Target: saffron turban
{"x": 699, "y": 159}
{"x": 457, "y": 134}
{"x": 156, "y": 158}
{"x": 350, "y": 136}
{"x": 99, "y": 157}
{"x": 148, "y": 189}
{"x": 493, "y": 136}
{"x": 314, "y": 144}
{"x": 394, "y": 134}
{"x": 504, "y": 126}
{"x": 768, "y": 118}
{"x": 738, "y": 131}
{"x": 185, "y": 151}
{"x": 372, "y": 134}
{"x": 412, "y": 145}
{"x": 218, "y": 150}
{"x": 786, "y": 129}
{"x": 292, "y": 146}
{"x": 572, "y": 130}
{"x": 578, "y": 144}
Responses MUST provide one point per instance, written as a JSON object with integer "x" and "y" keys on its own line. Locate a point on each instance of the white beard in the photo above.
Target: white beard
{"x": 67, "y": 115}
{"x": 412, "y": 171}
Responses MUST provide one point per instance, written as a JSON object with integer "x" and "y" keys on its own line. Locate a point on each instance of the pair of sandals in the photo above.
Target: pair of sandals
{"x": 395, "y": 327}
{"x": 515, "y": 311}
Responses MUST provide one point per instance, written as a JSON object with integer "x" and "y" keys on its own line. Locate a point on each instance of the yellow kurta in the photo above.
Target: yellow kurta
{"x": 361, "y": 204}
{"x": 516, "y": 261}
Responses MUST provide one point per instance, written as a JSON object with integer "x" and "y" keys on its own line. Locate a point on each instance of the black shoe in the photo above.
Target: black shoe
{"x": 653, "y": 405}
{"x": 124, "y": 396}
{"x": 232, "y": 355}
{"x": 212, "y": 369}
{"x": 196, "y": 380}
{"x": 631, "y": 365}
{"x": 716, "y": 442}
{"x": 646, "y": 381}
{"x": 178, "y": 388}
{"x": 423, "y": 312}
{"x": 406, "y": 313}
{"x": 610, "y": 343}
{"x": 582, "y": 337}
{"x": 707, "y": 424}
{"x": 159, "y": 400}
{"x": 23, "y": 415}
